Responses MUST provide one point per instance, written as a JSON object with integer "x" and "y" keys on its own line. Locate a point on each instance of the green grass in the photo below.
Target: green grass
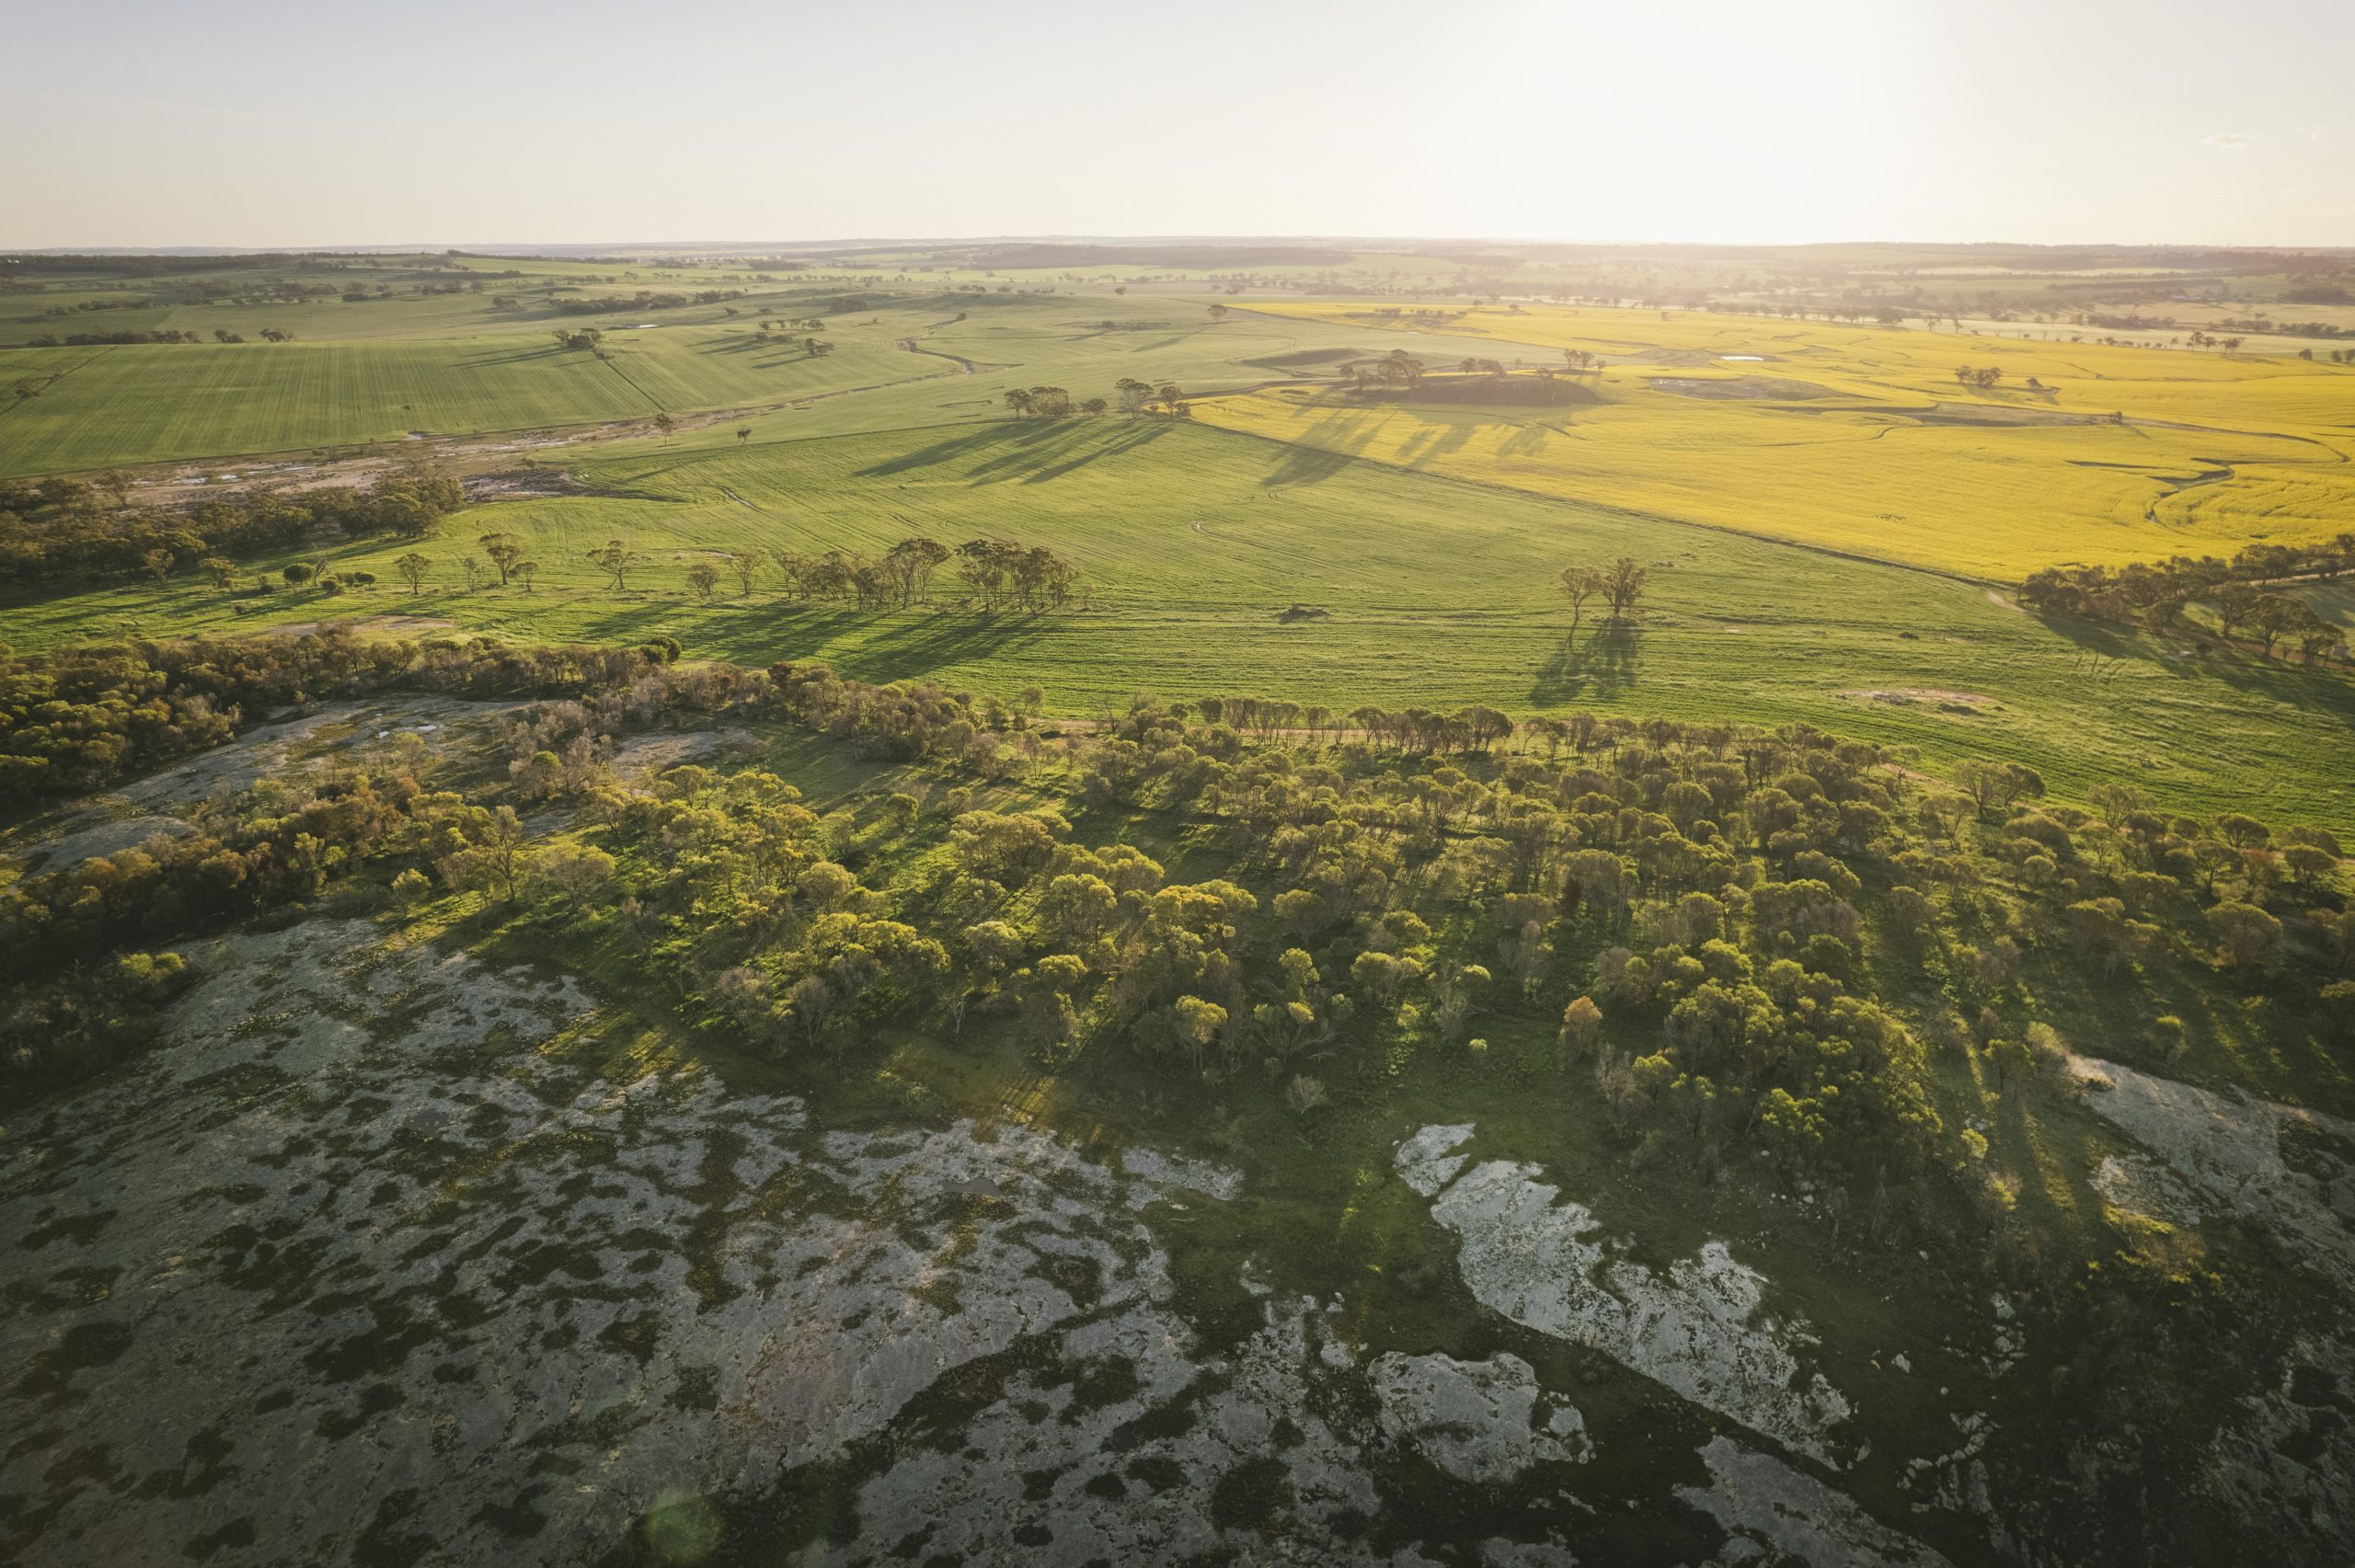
{"x": 151, "y": 402}
{"x": 445, "y": 365}
{"x": 1436, "y": 592}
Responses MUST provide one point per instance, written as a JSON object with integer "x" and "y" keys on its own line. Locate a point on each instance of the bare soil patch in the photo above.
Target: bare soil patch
{"x": 1484, "y": 391}
{"x": 1924, "y": 694}
{"x": 1741, "y": 389}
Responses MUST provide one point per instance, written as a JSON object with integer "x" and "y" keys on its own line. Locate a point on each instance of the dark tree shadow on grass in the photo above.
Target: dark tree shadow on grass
{"x": 1599, "y": 663}
{"x": 877, "y": 646}
{"x": 1031, "y": 451}
{"x": 2321, "y": 691}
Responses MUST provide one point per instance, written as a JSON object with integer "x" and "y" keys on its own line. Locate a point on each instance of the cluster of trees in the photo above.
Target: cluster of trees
{"x": 119, "y": 335}
{"x": 83, "y": 717}
{"x": 124, "y": 303}
{"x": 1049, "y": 403}
{"x": 64, "y": 528}
{"x": 815, "y": 346}
{"x": 1982, "y": 377}
{"x": 2156, "y": 594}
{"x": 643, "y": 300}
{"x": 1619, "y": 585}
{"x": 996, "y": 574}
{"x": 1136, "y": 397}
{"x": 2289, "y": 328}
{"x": 1143, "y": 397}
{"x": 1396, "y": 371}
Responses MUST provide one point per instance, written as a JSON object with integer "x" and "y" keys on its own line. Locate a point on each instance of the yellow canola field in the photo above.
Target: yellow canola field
{"x": 1861, "y": 439}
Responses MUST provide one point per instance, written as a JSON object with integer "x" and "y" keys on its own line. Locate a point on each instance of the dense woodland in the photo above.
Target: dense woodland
{"x": 63, "y": 529}
{"x": 1740, "y": 893}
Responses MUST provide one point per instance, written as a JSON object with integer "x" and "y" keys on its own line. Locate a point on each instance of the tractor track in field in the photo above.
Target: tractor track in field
{"x": 15, "y": 403}
{"x": 964, "y": 366}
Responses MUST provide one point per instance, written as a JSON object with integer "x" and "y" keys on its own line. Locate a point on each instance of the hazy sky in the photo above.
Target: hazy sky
{"x": 264, "y": 122}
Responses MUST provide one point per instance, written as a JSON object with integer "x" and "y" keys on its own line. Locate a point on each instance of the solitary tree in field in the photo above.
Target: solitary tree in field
{"x": 1622, "y": 585}
{"x": 664, "y": 423}
{"x": 1579, "y": 585}
{"x": 702, "y": 578}
{"x": 744, "y": 432}
{"x": 617, "y": 557}
{"x": 504, "y": 550}
{"x": 412, "y": 568}
{"x": 746, "y": 565}
{"x": 1218, "y": 313}
{"x": 525, "y": 571}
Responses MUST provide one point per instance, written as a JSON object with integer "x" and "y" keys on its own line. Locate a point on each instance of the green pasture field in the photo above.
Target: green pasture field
{"x": 1218, "y": 562}
{"x": 179, "y": 402}
{"x": 100, "y": 407}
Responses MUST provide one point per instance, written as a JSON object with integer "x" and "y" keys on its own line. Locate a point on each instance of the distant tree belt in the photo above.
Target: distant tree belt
{"x": 26, "y": 264}
{"x": 66, "y": 529}
{"x": 83, "y": 716}
{"x": 644, "y": 300}
{"x": 2156, "y": 594}
{"x": 77, "y": 339}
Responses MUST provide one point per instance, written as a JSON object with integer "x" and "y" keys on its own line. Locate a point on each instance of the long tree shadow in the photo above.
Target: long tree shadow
{"x": 1121, "y": 445}
{"x": 1028, "y": 451}
{"x": 909, "y": 647}
{"x": 1306, "y": 465}
{"x": 511, "y": 357}
{"x": 2322, "y": 691}
{"x": 1605, "y": 663}
{"x": 996, "y": 436}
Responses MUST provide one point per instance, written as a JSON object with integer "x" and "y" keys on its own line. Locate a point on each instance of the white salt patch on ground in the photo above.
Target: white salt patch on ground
{"x": 1777, "y": 1513}
{"x": 2227, "y": 1153}
{"x": 1476, "y": 1420}
{"x": 1176, "y": 1173}
{"x": 1424, "y": 1161}
{"x": 2143, "y": 1186}
{"x": 1698, "y": 1329}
